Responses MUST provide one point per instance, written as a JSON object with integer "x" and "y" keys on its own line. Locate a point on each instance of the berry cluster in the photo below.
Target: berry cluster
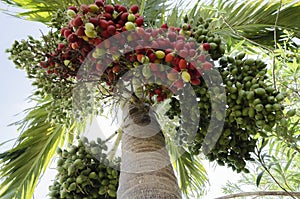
{"x": 84, "y": 172}
{"x": 91, "y": 25}
{"x": 88, "y": 26}
{"x": 253, "y": 107}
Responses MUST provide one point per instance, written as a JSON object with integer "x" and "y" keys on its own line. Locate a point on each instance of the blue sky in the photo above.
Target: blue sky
{"x": 15, "y": 89}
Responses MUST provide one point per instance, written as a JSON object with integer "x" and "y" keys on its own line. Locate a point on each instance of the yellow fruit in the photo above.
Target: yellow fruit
{"x": 129, "y": 25}
{"x": 160, "y": 54}
{"x": 93, "y": 7}
{"x": 186, "y": 76}
{"x": 90, "y": 34}
{"x": 71, "y": 13}
{"x": 89, "y": 27}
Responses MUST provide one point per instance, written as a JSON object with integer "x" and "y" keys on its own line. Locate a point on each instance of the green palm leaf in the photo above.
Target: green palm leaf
{"x": 41, "y": 10}
{"x": 23, "y": 164}
{"x": 253, "y": 20}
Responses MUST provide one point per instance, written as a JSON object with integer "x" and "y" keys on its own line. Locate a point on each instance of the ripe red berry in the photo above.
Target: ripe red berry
{"x": 179, "y": 45}
{"x": 77, "y": 21}
{"x": 109, "y": 9}
{"x": 73, "y": 8}
{"x": 182, "y": 64}
{"x": 107, "y": 16}
{"x": 139, "y": 21}
{"x": 207, "y": 66}
{"x": 206, "y": 46}
{"x": 99, "y": 3}
{"x": 103, "y": 24}
{"x": 183, "y": 53}
{"x": 134, "y": 9}
{"x": 122, "y": 9}
{"x": 111, "y": 29}
{"x": 80, "y": 31}
{"x": 172, "y": 36}
{"x": 85, "y": 8}
{"x": 61, "y": 46}
{"x": 164, "y": 26}
{"x": 94, "y": 20}
{"x": 62, "y": 31}
{"x": 195, "y": 82}
{"x": 116, "y": 69}
{"x": 202, "y": 58}
{"x": 124, "y": 16}
{"x": 67, "y": 33}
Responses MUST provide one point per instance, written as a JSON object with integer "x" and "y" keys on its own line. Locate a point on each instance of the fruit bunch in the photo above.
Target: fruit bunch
{"x": 88, "y": 26}
{"x": 85, "y": 172}
{"x": 212, "y": 42}
{"x": 91, "y": 25}
{"x": 253, "y": 107}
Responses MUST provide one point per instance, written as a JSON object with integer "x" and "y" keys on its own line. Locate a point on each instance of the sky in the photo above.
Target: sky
{"x": 15, "y": 89}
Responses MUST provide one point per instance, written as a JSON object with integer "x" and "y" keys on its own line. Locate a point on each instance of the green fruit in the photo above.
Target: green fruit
{"x": 260, "y": 91}
{"x": 250, "y": 95}
{"x": 93, "y": 175}
{"x": 90, "y": 33}
{"x": 251, "y": 112}
{"x": 241, "y": 55}
{"x": 131, "y": 17}
{"x": 256, "y": 101}
{"x": 280, "y": 97}
{"x": 72, "y": 187}
{"x": 259, "y": 107}
{"x": 291, "y": 112}
{"x": 102, "y": 190}
{"x": 276, "y": 107}
{"x": 112, "y": 193}
{"x": 160, "y": 54}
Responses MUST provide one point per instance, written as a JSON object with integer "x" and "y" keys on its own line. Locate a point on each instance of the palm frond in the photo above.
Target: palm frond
{"x": 254, "y": 20}
{"x": 41, "y": 10}
{"x": 22, "y": 165}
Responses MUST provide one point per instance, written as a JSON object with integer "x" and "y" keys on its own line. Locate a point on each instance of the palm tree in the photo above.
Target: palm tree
{"x": 36, "y": 145}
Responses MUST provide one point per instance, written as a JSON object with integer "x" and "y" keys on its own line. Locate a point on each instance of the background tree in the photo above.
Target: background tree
{"x": 234, "y": 30}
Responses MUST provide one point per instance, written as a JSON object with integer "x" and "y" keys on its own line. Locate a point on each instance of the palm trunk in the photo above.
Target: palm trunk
{"x": 146, "y": 170}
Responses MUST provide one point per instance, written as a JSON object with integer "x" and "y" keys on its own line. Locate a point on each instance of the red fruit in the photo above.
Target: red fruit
{"x": 183, "y": 53}
{"x": 105, "y": 34}
{"x": 94, "y": 20}
{"x": 195, "y": 82}
{"x": 116, "y": 69}
{"x": 179, "y": 45}
{"x": 178, "y": 84}
{"x": 107, "y": 16}
{"x": 182, "y": 64}
{"x": 192, "y": 52}
{"x": 85, "y": 8}
{"x": 139, "y": 21}
{"x": 206, "y": 46}
{"x": 99, "y": 3}
{"x": 157, "y": 91}
{"x": 99, "y": 67}
{"x": 152, "y": 57}
{"x": 172, "y": 36}
{"x": 62, "y": 31}
{"x": 159, "y": 98}
{"x": 75, "y": 45}
{"x": 207, "y": 66}
{"x": 134, "y": 9}
{"x": 122, "y": 9}
{"x": 61, "y": 46}
{"x": 77, "y": 21}
{"x": 44, "y": 65}
{"x": 169, "y": 57}
{"x": 67, "y": 33}
{"x": 111, "y": 29}
{"x": 124, "y": 16}
{"x": 72, "y": 38}
{"x": 202, "y": 58}
{"x": 80, "y": 31}
{"x": 109, "y": 9}
{"x": 168, "y": 50}
{"x": 164, "y": 26}
{"x": 103, "y": 24}
{"x": 73, "y": 8}
{"x": 154, "y": 67}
